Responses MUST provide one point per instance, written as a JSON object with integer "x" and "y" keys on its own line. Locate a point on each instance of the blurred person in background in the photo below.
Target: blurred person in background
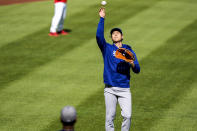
{"x": 68, "y": 118}
{"x": 58, "y": 18}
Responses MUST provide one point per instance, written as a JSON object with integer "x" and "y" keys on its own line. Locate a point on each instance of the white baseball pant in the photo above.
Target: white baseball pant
{"x": 123, "y": 97}
{"x": 58, "y": 18}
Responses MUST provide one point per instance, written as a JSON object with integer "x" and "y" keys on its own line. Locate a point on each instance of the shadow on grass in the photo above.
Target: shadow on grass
{"x": 67, "y": 30}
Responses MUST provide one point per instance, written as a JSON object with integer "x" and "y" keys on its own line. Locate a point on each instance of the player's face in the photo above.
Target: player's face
{"x": 116, "y": 36}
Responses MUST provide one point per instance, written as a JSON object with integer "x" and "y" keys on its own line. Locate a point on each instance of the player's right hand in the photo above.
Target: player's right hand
{"x": 102, "y": 12}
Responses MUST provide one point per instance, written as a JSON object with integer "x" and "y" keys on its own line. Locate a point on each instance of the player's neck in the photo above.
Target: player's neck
{"x": 119, "y": 44}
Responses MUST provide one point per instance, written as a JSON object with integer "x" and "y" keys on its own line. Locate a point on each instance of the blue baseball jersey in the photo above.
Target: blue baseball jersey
{"x": 116, "y": 71}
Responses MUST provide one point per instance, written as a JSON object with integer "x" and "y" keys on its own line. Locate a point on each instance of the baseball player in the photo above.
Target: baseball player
{"x": 116, "y": 76}
{"x": 58, "y": 18}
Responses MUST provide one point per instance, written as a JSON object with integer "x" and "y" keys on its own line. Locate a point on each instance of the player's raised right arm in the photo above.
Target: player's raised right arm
{"x": 100, "y": 30}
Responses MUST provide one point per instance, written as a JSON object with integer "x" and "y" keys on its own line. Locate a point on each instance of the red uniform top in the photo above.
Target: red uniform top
{"x": 60, "y": 1}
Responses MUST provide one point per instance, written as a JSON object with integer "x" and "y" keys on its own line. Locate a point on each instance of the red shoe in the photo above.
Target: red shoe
{"x": 63, "y": 32}
{"x": 53, "y": 34}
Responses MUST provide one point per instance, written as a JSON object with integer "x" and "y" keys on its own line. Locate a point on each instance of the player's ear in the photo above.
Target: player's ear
{"x": 122, "y": 38}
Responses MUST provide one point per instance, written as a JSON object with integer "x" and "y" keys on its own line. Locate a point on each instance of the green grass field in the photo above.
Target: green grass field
{"x": 40, "y": 74}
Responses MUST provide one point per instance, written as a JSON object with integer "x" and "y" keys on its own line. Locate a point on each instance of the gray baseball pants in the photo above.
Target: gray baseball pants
{"x": 123, "y": 97}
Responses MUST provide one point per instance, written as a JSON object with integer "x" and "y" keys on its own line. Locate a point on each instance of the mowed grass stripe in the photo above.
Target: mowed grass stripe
{"x": 98, "y": 100}
{"x": 20, "y": 20}
{"x": 183, "y": 112}
{"x": 166, "y": 79}
{"x": 149, "y": 29}
{"x": 26, "y": 54}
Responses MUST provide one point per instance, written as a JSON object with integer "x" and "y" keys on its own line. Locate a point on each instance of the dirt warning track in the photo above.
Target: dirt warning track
{"x": 9, "y": 2}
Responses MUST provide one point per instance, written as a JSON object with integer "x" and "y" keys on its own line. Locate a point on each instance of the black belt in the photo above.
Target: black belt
{"x": 108, "y": 86}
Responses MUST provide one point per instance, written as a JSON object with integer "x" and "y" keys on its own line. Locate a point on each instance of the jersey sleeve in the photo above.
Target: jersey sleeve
{"x": 136, "y": 68}
{"x": 100, "y": 35}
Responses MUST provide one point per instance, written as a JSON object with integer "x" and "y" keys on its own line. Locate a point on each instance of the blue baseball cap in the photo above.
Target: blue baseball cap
{"x": 116, "y": 29}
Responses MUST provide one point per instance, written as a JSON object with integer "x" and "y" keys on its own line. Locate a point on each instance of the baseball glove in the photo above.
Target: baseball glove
{"x": 125, "y": 55}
